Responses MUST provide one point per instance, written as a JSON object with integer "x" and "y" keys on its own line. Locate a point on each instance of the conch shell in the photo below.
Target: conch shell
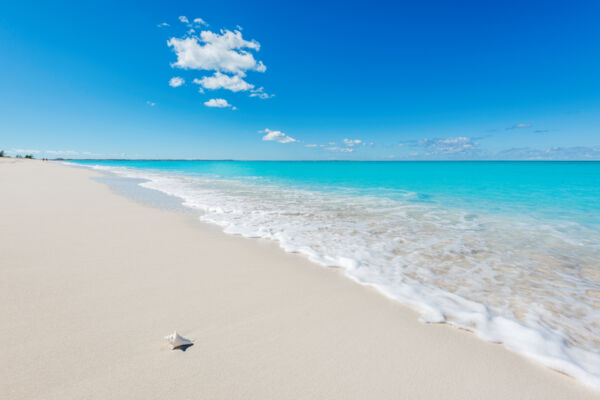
{"x": 176, "y": 340}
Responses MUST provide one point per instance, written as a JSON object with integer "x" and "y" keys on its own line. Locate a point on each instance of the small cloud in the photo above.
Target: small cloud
{"x": 218, "y": 103}
{"x": 223, "y": 81}
{"x": 352, "y": 142}
{"x": 26, "y": 151}
{"x": 340, "y": 149}
{"x": 176, "y": 81}
{"x": 163, "y": 25}
{"x": 310, "y": 145}
{"x": 66, "y": 152}
{"x": 519, "y": 126}
{"x": 552, "y": 153}
{"x": 200, "y": 21}
{"x": 150, "y": 103}
{"x": 453, "y": 145}
{"x": 276, "y": 136}
{"x": 541, "y": 131}
{"x": 184, "y": 19}
{"x": 260, "y": 93}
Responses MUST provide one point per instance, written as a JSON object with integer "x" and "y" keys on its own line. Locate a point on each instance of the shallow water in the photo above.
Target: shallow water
{"x": 509, "y": 250}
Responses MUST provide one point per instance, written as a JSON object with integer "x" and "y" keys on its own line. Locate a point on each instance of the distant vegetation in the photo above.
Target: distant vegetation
{"x": 29, "y": 156}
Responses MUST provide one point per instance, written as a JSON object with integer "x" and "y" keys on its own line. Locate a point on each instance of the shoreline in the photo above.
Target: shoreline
{"x": 92, "y": 281}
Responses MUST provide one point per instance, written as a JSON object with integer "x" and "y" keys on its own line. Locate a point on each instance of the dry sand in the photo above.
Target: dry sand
{"x": 90, "y": 282}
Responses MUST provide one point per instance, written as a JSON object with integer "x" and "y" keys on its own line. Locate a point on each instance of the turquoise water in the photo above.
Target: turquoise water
{"x": 569, "y": 190}
{"x": 509, "y": 250}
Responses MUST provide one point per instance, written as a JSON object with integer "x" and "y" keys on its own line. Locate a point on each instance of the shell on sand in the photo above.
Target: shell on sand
{"x": 176, "y": 340}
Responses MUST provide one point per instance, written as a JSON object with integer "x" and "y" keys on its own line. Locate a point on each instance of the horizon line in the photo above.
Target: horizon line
{"x": 308, "y": 160}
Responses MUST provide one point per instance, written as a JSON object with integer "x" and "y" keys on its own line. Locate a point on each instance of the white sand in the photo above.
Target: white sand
{"x": 91, "y": 282}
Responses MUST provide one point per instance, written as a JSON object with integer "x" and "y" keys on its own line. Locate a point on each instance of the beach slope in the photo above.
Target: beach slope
{"x": 90, "y": 282}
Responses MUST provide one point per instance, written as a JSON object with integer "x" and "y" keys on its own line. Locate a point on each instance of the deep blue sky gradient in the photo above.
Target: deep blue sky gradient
{"x": 407, "y": 78}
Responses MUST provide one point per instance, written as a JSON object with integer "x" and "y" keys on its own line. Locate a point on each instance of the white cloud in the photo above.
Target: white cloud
{"x": 310, "y": 145}
{"x": 163, "y": 25}
{"x": 67, "y": 152}
{"x": 224, "y": 52}
{"x": 150, "y": 103}
{"x": 176, "y": 81}
{"x": 519, "y": 126}
{"x": 260, "y": 93}
{"x": 340, "y": 149}
{"x": 277, "y": 136}
{"x": 222, "y": 81}
{"x": 26, "y": 151}
{"x": 352, "y": 142}
{"x": 449, "y": 145}
{"x": 219, "y": 103}
{"x": 552, "y": 153}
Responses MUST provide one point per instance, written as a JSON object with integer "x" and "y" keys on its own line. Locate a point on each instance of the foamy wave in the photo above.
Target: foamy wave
{"x": 531, "y": 285}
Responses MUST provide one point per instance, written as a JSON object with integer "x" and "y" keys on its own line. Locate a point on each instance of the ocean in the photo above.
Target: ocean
{"x": 507, "y": 250}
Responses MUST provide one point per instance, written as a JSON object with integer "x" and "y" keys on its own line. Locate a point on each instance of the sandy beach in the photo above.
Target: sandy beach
{"x": 91, "y": 282}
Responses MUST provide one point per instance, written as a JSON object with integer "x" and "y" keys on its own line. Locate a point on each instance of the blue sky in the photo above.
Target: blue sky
{"x": 310, "y": 80}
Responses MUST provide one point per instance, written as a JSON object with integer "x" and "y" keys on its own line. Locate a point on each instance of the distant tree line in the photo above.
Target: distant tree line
{"x": 29, "y": 156}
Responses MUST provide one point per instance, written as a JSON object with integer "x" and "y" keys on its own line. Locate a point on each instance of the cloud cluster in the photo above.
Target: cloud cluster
{"x": 352, "y": 142}
{"x": 340, "y": 149}
{"x": 552, "y": 153}
{"x": 225, "y": 53}
{"x": 68, "y": 153}
{"x": 468, "y": 148}
{"x": 345, "y": 146}
{"x": 449, "y": 145}
{"x": 260, "y": 93}
{"x": 276, "y": 136}
{"x": 26, "y": 151}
